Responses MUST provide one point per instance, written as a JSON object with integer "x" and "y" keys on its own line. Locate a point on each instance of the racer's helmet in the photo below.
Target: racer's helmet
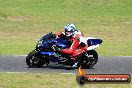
{"x": 70, "y": 29}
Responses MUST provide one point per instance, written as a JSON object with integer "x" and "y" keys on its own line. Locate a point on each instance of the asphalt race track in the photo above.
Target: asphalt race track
{"x": 105, "y": 65}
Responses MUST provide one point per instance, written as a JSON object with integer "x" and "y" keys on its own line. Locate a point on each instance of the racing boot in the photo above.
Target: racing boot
{"x": 75, "y": 64}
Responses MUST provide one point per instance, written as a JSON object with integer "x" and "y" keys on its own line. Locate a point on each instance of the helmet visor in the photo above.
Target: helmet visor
{"x": 68, "y": 33}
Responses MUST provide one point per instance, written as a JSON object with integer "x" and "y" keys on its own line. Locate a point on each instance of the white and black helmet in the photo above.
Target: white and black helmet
{"x": 70, "y": 29}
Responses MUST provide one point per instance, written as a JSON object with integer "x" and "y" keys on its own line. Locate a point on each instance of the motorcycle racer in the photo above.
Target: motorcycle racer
{"x": 79, "y": 42}
{"x": 69, "y": 48}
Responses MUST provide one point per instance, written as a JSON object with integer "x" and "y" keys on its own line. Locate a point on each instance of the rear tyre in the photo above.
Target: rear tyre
{"x": 93, "y": 58}
{"x": 90, "y": 59}
{"x": 33, "y": 60}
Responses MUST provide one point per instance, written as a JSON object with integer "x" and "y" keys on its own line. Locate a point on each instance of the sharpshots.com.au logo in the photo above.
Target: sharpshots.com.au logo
{"x": 83, "y": 78}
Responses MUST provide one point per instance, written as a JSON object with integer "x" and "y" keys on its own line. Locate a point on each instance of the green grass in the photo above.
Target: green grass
{"x": 48, "y": 80}
{"x": 23, "y": 22}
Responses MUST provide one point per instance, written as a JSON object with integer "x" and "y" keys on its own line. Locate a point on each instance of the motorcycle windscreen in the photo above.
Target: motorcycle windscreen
{"x": 92, "y": 42}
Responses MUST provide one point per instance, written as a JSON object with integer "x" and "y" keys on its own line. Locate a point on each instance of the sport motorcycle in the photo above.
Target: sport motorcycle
{"x": 44, "y": 53}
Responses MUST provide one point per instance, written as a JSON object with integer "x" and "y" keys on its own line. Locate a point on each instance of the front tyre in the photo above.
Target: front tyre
{"x": 33, "y": 60}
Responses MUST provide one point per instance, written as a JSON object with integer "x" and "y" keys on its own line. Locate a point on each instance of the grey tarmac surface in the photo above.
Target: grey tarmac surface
{"x": 105, "y": 65}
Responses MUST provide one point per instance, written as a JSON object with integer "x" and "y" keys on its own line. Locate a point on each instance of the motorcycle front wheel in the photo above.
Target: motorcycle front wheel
{"x": 33, "y": 60}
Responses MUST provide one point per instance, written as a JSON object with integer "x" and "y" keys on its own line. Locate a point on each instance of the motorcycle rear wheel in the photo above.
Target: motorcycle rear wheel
{"x": 91, "y": 60}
